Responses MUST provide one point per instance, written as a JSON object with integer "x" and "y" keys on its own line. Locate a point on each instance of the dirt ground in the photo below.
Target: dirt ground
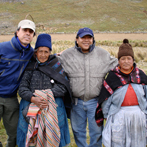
{"x": 101, "y": 37}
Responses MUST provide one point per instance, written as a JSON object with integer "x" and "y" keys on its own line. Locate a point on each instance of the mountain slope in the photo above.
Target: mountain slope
{"x": 67, "y": 16}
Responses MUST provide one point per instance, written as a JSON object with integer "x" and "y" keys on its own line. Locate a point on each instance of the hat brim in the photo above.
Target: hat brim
{"x": 85, "y": 33}
{"x": 27, "y": 27}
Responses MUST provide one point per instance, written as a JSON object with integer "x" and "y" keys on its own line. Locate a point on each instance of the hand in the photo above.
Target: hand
{"x": 58, "y": 54}
{"x": 39, "y": 102}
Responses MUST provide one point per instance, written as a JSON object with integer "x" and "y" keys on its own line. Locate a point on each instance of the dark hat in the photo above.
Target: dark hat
{"x": 44, "y": 40}
{"x": 125, "y": 49}
{"x": 84, "y": 31}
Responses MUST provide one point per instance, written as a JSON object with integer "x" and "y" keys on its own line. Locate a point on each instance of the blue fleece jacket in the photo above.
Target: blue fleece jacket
{"x": 13, "y": 60}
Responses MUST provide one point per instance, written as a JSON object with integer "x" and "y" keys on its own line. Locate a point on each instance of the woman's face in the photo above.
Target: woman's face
{"x": 43, "y": 54}
{"x": 126, "y": 63}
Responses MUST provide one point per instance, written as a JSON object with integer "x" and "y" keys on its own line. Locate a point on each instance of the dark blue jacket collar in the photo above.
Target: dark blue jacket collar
{"x": 15, "y": 44}
{"x": 22, "y": 45}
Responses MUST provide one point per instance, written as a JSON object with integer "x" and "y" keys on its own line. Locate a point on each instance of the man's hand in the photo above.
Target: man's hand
{"x": 58, "y": 54}
{"x": 40, "y": 102}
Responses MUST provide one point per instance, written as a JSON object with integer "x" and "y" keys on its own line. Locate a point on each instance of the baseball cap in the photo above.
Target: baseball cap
{"x": 84, "y": 31}
{"x": 27, "y": 24}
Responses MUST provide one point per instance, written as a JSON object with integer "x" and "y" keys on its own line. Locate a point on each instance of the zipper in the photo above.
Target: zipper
{"x": 2, "y": 72}
{"x": 13, "y": 59}
{"x": 20, "y": 72}
{"x": 22, "y": 54}
{"x": 41, "y": 83}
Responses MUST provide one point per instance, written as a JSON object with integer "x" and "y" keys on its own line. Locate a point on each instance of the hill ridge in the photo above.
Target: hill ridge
{"x": 67, "y": 16}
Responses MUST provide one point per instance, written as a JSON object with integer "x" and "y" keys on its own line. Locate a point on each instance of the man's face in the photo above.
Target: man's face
{"x": 43, "y": 54}
{"x": 85, "y": 42}
{"x": 25, "y": 36}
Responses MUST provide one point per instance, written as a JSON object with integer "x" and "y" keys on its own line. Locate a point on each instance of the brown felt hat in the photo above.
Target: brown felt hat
{"x": 125, "y": 49}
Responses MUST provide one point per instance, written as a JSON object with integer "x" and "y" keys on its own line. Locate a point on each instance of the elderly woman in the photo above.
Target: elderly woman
{"x": 44, "y": 90}
{"x": 123, "y": 103}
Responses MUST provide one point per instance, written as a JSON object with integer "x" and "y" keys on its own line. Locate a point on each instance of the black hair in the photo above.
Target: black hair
{"x": 18, "y": 30}
{"x": 91, "y": 36}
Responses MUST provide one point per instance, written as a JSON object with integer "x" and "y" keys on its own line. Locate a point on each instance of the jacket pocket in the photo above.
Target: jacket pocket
{"x": 117, "y": 133}
{"x": 118, "y": 130}
{"x": 4, "y": 63}
{"x": 1, "y": 72}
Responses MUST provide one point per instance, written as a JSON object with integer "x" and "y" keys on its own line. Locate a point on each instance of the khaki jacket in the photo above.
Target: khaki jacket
{"x": 86, "y": 71}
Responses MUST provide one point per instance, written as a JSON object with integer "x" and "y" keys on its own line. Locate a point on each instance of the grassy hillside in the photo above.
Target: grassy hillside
{"x": 67, "y": 16}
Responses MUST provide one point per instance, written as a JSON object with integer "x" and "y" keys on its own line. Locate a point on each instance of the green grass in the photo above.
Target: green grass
{"x": 68, "y": 16}
{"x": 3, "y": 135}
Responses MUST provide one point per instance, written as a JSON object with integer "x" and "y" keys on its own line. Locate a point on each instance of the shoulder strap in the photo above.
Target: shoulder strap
{"x": 49, "y": 71}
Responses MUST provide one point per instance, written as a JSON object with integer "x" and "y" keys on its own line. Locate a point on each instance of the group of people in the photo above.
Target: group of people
{"x": 84, "y": 83}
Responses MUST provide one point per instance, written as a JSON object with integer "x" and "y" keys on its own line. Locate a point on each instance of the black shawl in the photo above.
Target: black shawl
{"x": 113, "y": 80}
{"x": 54, "y": 70}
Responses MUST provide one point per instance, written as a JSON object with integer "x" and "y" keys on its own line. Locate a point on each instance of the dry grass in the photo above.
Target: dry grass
{"x": 3, "y": 136}
{"x": 140, "y": 52}
{"x": 112, "y": 47}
